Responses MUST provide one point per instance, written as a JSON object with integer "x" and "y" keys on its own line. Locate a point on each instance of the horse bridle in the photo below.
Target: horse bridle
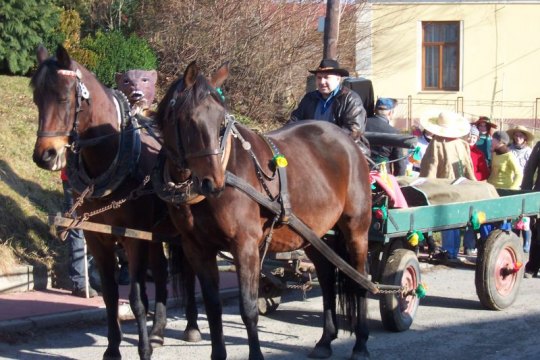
{"x": 81, "y": 94}
{"x": 225, "y": 130}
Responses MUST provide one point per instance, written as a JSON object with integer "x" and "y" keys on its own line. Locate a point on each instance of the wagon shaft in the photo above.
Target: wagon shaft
{"x": 108, "y": 229}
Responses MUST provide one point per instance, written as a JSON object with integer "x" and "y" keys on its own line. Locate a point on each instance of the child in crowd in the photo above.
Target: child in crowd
{"x": 505, "y": 170}
{"x": 485, "y": 127}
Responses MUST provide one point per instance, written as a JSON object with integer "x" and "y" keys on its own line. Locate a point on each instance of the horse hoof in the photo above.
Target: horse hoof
{"x": 156, "y": 341}
{"x": 192, "y": 335}
{"x": 320, "y": 352}
{"x": 360, "y": 355}
{"x": 112, "y": 355}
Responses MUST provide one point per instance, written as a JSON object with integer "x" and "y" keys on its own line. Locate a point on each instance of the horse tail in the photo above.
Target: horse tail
{"x": 351, "y": 295}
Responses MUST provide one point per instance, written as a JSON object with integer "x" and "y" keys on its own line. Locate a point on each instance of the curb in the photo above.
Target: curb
{"x": 63, "y": 318}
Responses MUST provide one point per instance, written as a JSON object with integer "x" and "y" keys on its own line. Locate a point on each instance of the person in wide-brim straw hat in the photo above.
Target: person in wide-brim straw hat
{"x": 529, "y": 136}
{"x": 447, "y": 124}
{"x": 447, "y": 156}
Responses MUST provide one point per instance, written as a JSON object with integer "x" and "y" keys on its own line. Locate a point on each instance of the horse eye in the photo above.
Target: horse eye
{"x": 126, "y": 82}
{"x": 144, "y": 80}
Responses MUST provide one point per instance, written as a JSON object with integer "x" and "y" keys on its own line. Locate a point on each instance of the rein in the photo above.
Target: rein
{"x": 304, "y": 231}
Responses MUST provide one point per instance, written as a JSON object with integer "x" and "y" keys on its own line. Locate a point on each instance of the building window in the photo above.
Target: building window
{"x": 440, "y": 55}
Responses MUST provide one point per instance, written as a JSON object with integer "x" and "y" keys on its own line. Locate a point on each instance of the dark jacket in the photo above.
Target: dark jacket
{"x": 347, "y": 108}
{"x": 380, "y": 124}
{"x": 531, "y": 167}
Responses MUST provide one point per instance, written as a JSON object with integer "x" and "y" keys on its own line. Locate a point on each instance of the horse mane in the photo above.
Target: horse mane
{"x": 185, "y": 96}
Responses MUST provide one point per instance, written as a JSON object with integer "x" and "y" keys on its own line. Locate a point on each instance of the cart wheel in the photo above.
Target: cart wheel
{"x": 397, "y": 311}
{"x": 269, "y": 296}
{"x": 497, "y": 286}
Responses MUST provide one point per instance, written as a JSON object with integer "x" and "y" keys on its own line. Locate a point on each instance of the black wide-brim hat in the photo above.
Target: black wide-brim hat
{"x": 330, "y": 66}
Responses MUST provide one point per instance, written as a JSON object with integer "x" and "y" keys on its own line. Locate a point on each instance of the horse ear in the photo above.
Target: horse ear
{"x": 62, "y": 57}
{"x": 42, "y": 53}
{"x": 190, "y": 75}
{"x": 220, "y": 75}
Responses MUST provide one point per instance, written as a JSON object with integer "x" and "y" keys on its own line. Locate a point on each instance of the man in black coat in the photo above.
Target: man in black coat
{"x": 532, "y": 182}
{"x": 334, "y": 103}
{"x": 381, "y": 123}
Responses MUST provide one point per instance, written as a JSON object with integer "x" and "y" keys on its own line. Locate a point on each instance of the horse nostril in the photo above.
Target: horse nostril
{"x": 49, "y": 155}
{"x": 207, "y": 186}
{"x": 46, "y": 159}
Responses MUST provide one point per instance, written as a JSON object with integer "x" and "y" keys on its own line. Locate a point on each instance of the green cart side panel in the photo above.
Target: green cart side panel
{"x": 509, "y": 206}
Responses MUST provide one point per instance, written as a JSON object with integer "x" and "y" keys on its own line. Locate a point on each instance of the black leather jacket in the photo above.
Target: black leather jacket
{"x": 347, "y": 109}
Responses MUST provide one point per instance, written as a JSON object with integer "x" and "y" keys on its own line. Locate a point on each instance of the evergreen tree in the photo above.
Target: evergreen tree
{"x": 24, "y": 24}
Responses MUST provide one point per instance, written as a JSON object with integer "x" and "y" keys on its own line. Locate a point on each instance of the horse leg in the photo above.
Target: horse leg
{"x": 327, "y": 280}
{"x": 192, "y": 332}
{"x": 105, "y": 260}
{"x": 158, "y": 265}
{"x": 356, "y": 233}
{"x": 205, "y": 266}
{"x": 247, "y": 262}
{"x": 138, "y": 300}
{"x": 361, "y": 330}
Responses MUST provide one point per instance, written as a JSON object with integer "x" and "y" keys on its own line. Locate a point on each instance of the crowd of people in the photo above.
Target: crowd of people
{"x": 479, "y": 152}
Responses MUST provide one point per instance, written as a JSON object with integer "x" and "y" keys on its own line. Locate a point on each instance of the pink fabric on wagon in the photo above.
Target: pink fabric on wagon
{"x": 390, "y": 185}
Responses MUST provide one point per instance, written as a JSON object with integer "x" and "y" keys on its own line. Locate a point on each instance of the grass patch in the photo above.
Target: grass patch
{"x": 27, "y": 194}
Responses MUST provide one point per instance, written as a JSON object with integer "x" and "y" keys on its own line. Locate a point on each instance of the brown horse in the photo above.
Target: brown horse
{"x": 88, "y": 127}
{"x": 327, "y": 179}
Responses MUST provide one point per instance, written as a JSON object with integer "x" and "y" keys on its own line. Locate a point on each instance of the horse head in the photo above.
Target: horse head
{"x": 191, "y": 116}
{"x": 55, "y": 97}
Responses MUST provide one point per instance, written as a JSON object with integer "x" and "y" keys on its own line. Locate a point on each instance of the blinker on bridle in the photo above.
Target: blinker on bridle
{"x": 81, "y": 94}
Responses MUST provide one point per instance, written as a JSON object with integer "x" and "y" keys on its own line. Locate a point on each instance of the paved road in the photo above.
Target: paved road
{"x": 450, "y": 323}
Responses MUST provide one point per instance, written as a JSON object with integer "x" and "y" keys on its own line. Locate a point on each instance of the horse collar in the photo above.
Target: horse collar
{"x": 124, "y": 164}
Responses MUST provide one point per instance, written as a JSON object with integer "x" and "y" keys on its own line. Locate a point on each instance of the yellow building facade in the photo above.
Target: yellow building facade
{"x": 474, "y": 57}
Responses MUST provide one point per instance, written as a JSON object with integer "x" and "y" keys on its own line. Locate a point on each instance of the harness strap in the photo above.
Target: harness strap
{"x": 285, "y": 199}
{"x": 302, "y": 229}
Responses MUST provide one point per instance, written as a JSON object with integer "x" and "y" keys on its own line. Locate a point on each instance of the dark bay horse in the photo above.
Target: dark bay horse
{"x": 327, "y": 179}
{"x": 88, "y": 128}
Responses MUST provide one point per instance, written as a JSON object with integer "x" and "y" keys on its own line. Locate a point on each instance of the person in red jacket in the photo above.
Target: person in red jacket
{"x": 481, "y": 169}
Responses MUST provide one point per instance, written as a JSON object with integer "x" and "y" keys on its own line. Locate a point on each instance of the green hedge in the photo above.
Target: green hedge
{"x": 116, "y": 53}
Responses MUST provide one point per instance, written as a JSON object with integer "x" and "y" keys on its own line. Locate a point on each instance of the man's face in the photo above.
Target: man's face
{"x": 326, "y": 83}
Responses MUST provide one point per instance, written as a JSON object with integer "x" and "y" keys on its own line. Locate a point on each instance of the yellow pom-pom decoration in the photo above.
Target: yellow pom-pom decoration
{"x": 280, "y": 161}
{"x": 413, "y": 239}
{"x": 481, "y": 217}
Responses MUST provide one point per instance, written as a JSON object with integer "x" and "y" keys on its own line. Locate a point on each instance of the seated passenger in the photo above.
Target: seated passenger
{"x": 381, "y": 122}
